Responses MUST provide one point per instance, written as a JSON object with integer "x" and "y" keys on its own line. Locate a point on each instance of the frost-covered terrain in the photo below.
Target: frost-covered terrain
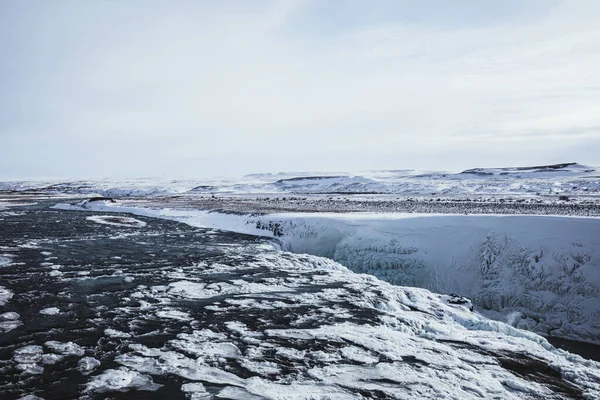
{"x": 431, "y": 287}
{"x": 537, "y": 273}
{"x": 161, "y": 309}
{"x": 544, "y": 183}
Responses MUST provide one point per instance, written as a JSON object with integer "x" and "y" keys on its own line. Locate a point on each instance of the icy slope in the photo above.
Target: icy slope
{"x": 544, "y": 269}
{"x": 348, "y": 336}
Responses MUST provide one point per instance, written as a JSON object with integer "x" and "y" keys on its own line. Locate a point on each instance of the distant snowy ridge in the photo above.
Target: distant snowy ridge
{"x": 550, "y": 170}
{"x": 543, "y": 272}
{"x": 331, "y": 184}
{"x": 545, "y": 180}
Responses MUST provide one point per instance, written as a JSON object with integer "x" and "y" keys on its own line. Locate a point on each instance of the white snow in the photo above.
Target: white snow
{"x": 574, "y": 178}
{"x": 408, "y": 326}
{"x": 194, "y": 290}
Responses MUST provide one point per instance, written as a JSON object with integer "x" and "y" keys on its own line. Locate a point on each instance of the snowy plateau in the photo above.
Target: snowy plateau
{"x": 379, "y": 284}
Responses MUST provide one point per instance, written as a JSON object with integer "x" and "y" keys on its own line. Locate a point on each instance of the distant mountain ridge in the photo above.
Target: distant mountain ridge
{"x": 571, "y": 167}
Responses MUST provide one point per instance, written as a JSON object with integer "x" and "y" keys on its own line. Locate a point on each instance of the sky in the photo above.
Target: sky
{"x": 184, "y": 89}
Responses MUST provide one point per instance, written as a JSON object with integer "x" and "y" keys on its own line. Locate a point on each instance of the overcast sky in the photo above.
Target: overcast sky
{"x": 183, "y": 89}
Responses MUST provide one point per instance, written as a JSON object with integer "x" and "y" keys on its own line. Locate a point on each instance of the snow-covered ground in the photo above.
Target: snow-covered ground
{"x": 536, "y": 272}
{"x": 537, "y": 182}
{"x": 385, "y": 313}
{"x": 146, "y": 304}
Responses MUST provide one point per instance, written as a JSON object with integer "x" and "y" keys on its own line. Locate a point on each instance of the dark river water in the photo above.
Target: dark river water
{"x": 95, "y": 261}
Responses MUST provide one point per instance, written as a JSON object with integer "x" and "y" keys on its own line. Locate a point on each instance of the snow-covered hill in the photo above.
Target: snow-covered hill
{"x": 551, "y": 180}
{"x": 552, "y": 171}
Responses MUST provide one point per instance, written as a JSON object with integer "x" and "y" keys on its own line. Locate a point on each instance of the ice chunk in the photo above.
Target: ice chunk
{"x": 51, "y": 359}
{"x": 5, "y": 295}
{"x": 236, "y": 393}
{"x": 196, "y": 391}
{"x": 117, "y": 221}
{"x": 29, "y": 359}
{"x": 4, "y": 260}
{"x": 87, "y": 364}
{"x": 9, "y": 316}
{"x": 113, "y": 333}
{"x": 66, "y": 349}
{"x": 173, "y": 314}
{"x": 195, "y": 387}
{"x": 7, "y": 326}
{"x": 28, "y": 354}
{"x": 121, "y": 380}
{"x": 50, "y": 311}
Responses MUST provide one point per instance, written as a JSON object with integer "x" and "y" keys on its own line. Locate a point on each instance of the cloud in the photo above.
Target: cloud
{"x": 204, "y": 88}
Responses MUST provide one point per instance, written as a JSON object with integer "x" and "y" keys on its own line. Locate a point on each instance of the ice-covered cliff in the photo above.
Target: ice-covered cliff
{"x": 542, "y": 271}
